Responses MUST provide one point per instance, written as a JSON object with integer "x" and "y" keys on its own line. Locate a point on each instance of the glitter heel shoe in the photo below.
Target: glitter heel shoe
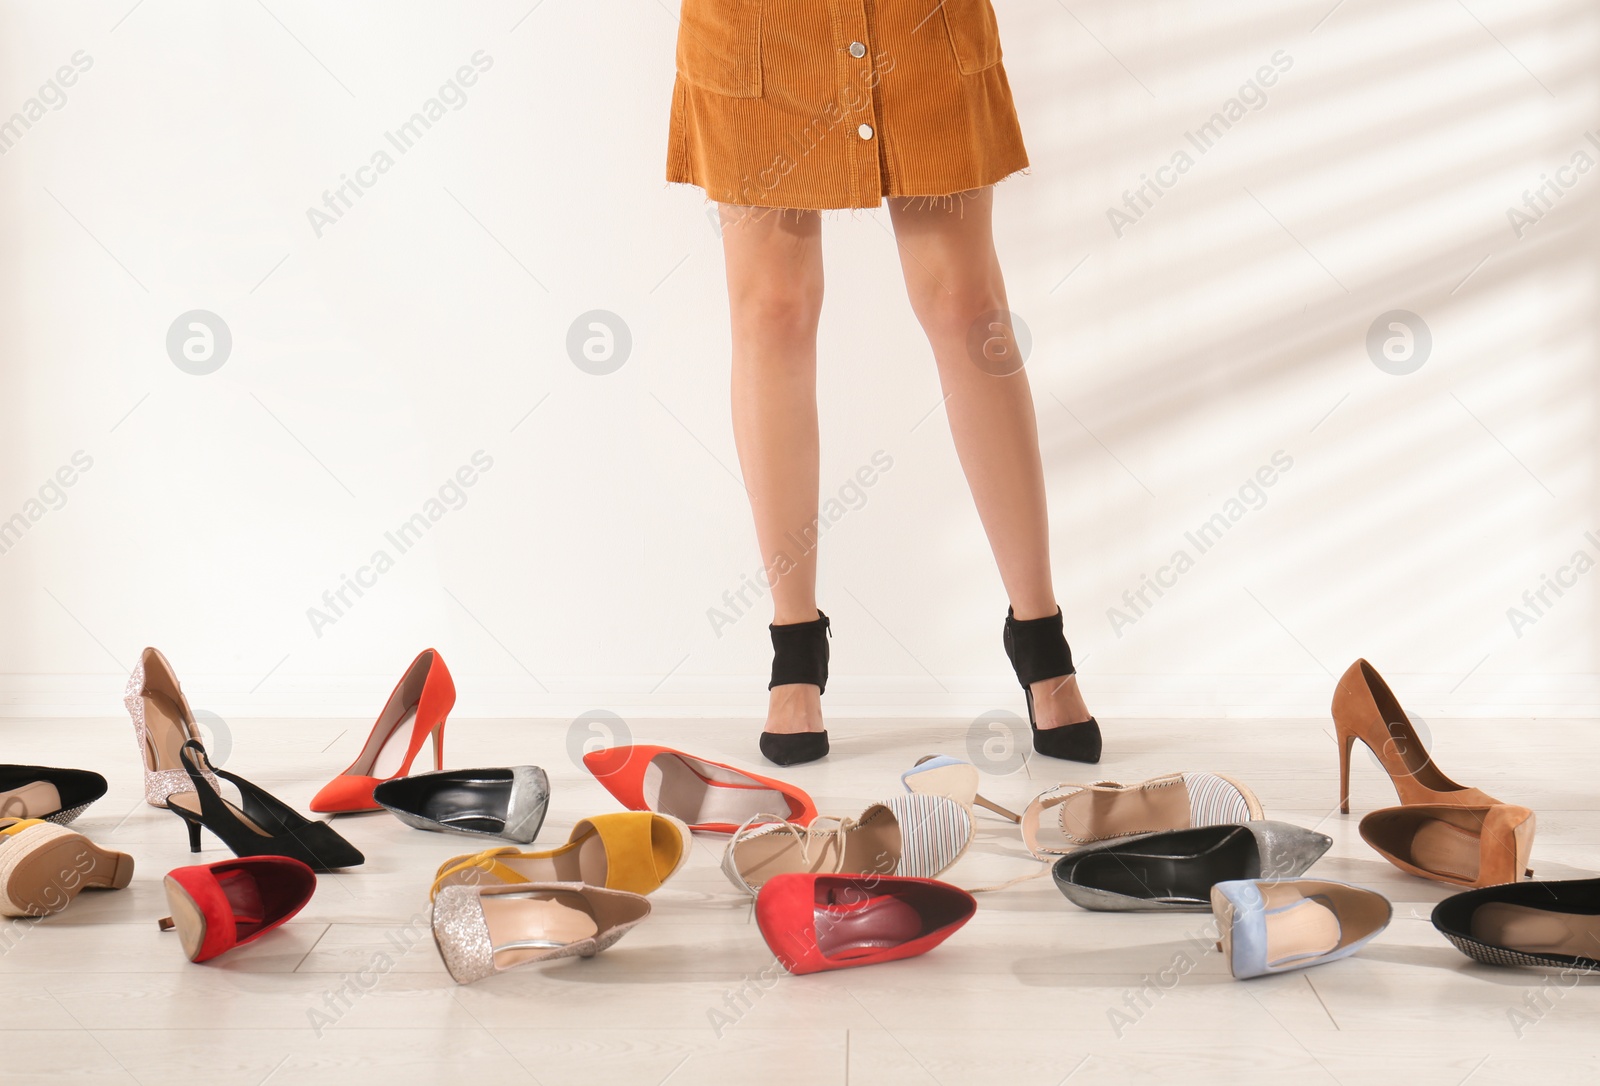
{"x": 162, "y": 724}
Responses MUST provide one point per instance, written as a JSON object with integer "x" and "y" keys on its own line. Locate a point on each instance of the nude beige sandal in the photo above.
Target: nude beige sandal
{"x": 914, "y": 836}
{"x": 1085, "y": 813}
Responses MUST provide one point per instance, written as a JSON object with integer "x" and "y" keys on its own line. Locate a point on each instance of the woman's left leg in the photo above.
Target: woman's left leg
{"x": 953, "y": 278}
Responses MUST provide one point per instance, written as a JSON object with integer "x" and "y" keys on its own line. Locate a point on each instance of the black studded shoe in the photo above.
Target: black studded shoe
{"x": 1038, "y": 651}
{"x": 799, "y": 655}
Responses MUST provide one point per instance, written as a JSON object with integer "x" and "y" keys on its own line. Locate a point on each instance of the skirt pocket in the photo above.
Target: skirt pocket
{"x": 974, "y": 34}
{"x": 719, "y": 46}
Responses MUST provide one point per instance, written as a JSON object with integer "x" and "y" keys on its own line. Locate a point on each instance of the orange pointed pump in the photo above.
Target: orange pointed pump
{"x": 419, "y": 707}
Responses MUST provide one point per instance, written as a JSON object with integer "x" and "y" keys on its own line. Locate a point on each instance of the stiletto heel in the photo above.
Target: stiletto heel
{"x": 262, "y": 825}
{"x": 1345, "y": 743}
{"x": 418, "y": 709}
{"x": 1038, "y": 650}
{"x": 799, "y": 655}
{"x": 1365, "y": 708}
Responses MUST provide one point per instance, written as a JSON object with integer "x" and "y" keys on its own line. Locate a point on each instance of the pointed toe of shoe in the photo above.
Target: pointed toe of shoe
{"x": 345, "y": 795}
{"x": 1070, "y": 742}
{"x": 1287, "y": 850}
{"x": 795, "y": 748}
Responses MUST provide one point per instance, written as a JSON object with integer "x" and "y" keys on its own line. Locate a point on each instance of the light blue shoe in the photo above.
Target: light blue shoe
{"x": 1274, "y": 926}
{"x": 952, "y": 778}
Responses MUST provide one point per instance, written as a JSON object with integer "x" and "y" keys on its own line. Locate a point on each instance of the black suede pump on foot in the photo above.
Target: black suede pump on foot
{"x": 1038, "y": 651}
{"x": 799, "y": 655}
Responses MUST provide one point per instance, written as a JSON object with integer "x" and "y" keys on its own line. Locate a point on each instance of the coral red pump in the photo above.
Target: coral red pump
{"x": 815, "y": 923}
{"x": 216, "y": 907}
{"x": 704, "y": 794}
{"x": 418, "y": 708}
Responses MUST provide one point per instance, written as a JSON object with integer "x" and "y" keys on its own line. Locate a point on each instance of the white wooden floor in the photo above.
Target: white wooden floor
{"x": 1033, "y": 992}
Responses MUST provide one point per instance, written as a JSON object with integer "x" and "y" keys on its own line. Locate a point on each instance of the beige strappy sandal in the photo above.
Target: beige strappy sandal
{"x": 1086, "y": 813}
{"x": 915, "y": 836}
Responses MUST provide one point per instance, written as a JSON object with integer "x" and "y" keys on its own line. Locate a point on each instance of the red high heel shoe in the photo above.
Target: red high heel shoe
{"x": 216, "y": 907}
{"x": 418, "y": 708}
{"x": 814, "y": 923}
{"x": 706, "y": 795}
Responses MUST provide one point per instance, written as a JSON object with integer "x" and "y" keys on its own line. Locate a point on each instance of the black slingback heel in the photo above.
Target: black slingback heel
{"x": 799, "y": 655}
{"x": 1038, "y": 650}
{"x": 263, "y": 826}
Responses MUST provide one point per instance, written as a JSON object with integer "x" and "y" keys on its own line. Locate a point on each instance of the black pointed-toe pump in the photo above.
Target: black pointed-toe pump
{"x": 799, "y": 655}
{"x": 1038, "y": 650}
{"x": 262, "y": 825}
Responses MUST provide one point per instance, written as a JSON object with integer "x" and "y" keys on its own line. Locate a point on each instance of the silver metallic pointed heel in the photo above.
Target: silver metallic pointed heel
{"x": 1174, "y": 870}
{"x": 500, "y": 802}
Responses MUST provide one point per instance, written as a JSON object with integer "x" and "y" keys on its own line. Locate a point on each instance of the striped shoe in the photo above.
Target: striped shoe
{"x": 915, "y": 836}
{"x": 1085, "y": 813}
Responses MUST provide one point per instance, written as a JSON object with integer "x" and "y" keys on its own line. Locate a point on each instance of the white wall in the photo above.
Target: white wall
{"x": 1224, "y": 327}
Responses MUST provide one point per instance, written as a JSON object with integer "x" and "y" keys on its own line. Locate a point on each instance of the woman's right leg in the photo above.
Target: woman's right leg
{"x": 774, "y": 262}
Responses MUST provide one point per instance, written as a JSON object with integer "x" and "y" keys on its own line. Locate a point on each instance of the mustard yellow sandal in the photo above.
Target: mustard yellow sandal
{"x": 635, "y": 851}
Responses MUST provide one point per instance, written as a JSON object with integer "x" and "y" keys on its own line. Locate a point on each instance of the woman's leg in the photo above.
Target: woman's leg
{"x": 774, "y": 262}
{"x": 954, "y": 282}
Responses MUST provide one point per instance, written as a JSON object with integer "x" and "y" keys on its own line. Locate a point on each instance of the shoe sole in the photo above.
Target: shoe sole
{"x": 187, "y": 918}
{"x": 45, "y": 867}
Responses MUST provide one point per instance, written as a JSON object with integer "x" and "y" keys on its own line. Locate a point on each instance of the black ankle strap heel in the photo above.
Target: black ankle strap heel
{"x": 1038, "y": 650}
{"x": 799, "y": 655}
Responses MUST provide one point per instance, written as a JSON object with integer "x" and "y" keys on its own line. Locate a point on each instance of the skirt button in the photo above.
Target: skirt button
{"x": 865, "y": 131}
{"x": 857, "y": 50}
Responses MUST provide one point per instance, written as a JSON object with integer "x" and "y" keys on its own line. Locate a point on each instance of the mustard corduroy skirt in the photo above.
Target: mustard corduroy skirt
{"x": 839, "y": 103}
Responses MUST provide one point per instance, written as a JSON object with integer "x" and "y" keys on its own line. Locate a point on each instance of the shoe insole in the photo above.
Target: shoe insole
{"x": 1445, "y": 849}
{"x": 584, "y": 863}
{"x": 164, "y": 721}
{"x": 850, "y": 931}
{"x": 1537, "y": 931}
{"x": 392, "y": 755}
{"x": 33, "y": 800}
{"x": 524, "y": 928}
{"x": 469, "y": 805}
{"x": 697, "y": 792}
{"x": 56, "y": 867}
{"x": 1097, "y": 813}
{"x": 1305, "y": 929}
{"x": 872, "y": 847}
{"x": 1176, "y": 879}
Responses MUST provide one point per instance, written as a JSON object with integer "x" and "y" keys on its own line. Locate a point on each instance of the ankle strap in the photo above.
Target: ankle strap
{"x": 1037, "y": 648}
{"x": 800, "y": 653}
